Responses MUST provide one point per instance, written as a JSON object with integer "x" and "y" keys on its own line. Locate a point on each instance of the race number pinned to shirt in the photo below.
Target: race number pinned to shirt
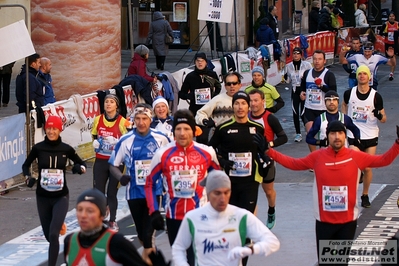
{"x": 202, "y": 96}
{"x": 184, "y": 183}
{"x": 242, "y": 164}
{"x": 359, "y": 114}
{"x": 142, "y": 170}
{"x": 335, "y": 198}
{"x": 52, "y": 179}
{"x": 314, "y": 96}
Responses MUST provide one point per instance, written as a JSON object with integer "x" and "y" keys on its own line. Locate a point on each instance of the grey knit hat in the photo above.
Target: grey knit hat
{"x": 214, "y": 180}
{"x": 258, "y": 69}
{"x": 142, "y": 50}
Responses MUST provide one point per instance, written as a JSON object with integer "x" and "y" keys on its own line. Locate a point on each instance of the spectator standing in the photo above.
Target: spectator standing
{"x": 273, "y": 20}
{"x": 162, "y": 120}
{"x": 360, "y": 16}
{"x": 265, "y": 34}
{"x": 35, "y": 87}
{"x": 45, "y": 78}
{"x": 314, "y": 17}
{"x": 159, "y": 28}
{"x": 325, "y": 22}
{"x": 5, "y": 77}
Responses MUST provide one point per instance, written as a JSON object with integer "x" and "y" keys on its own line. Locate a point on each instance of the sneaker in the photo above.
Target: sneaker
{"x": 365, "y": 201}
{"x": 271, "y": 220}
{"x": 113, "y": 226}
{"x": 298, "y": 138}
{"x": 63, "y": 229}
{"x": 390, "y": 76}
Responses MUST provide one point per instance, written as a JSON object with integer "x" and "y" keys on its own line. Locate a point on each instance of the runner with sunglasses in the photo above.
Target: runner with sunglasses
{"x": 219, "y": 109}
{"x": 294, "y": 73}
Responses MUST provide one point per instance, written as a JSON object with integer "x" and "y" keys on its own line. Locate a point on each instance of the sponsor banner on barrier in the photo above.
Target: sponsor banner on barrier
{"x": 12, "y": 145}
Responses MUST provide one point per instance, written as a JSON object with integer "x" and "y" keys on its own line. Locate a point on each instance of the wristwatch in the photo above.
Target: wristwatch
{"x": 271, "y": 144}
{"x": 251, "y": 246}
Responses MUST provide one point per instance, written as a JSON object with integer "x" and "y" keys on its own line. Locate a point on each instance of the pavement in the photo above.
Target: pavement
{"x": 22, "y": 243}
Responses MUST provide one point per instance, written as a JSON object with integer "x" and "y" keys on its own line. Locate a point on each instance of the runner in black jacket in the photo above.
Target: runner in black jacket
{"x": 52, "y": 195}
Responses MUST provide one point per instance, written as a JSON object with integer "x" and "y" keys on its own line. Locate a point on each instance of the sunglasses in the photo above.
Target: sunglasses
{"x": 232, "y": 83}
{"x": 297, "y": 53}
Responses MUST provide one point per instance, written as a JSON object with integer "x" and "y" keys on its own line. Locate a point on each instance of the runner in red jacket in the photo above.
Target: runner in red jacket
{"x": 337, "y": 172}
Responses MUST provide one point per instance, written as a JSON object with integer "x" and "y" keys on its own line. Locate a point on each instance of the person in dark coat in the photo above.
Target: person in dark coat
{"x": 264, "y": 35}
{"x": 158, "y": 30}
{"x": 325, "y": 22}
{"x": 35, "y": 87}
{"x": 273, "y": 22}
{"x": 314, "y": 17}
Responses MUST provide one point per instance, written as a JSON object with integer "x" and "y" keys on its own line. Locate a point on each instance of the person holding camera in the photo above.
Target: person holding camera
{"x": 52, "y": 194}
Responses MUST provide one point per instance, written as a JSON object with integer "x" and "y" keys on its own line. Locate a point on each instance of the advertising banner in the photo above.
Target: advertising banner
{"x": 12, "y": 145}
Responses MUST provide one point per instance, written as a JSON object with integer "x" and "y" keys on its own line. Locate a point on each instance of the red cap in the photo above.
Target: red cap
{"x": 54, "y": 121}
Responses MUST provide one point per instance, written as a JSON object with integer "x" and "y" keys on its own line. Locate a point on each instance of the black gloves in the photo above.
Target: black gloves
{"x": 30, "y": 181}
{"x": 358, "y": 144}
{"x": 377, "y": 114}
{"x": 76, "y": 169}
{"x": 261, "y": 142}
{"x": 125, "y": 179}
{"x": 266, "y": 160}
{"x": 227, "y": 165}
{"x": 157, "y": 258}
{"x": 208, "y": 122}
{"x": 322, "y": 142}
{"x": 157, "y": 221}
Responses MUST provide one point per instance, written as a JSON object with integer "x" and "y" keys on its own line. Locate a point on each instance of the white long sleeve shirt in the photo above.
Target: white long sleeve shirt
{"x": 213, "y": 234}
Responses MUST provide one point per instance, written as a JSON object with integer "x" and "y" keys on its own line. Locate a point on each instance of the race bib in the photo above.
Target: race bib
{"x": 314, "y": 96}
{"x": 141, "y": 170}
{"x": 391, "y": 37}
{"x": 242, "y": 164}
{"x": 184, "y": 183}
{"x": 52, "y": 179}
{"x": 202, "y": 96}
{"x": 360, "y": 115}
{"x": 335, "y": 198}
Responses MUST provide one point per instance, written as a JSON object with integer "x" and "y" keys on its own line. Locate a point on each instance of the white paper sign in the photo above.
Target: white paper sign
{"x": 215, "y": 10}
{"x": 15, "y": 43}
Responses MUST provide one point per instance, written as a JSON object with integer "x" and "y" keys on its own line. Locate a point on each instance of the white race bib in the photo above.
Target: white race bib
{"x": 242, "y": 163}
{"x": 315, "y": 96}
{"x": 359, "y": 115}
{"x": 141, "y": 170}
{"x": 202, "y": 96}
{"x": 52, "y": 179}
{"x": 335, "y": 198}
{"x": 184, "y": 183}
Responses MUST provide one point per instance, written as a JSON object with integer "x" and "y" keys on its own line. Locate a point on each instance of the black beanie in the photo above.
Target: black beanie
{"x": 241, "y": 95}
{"x": 96, "y": 197}
{"x": 184, "y": 116}
{"x": 335, "y": 126}
{"x": 200, "y": 55}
